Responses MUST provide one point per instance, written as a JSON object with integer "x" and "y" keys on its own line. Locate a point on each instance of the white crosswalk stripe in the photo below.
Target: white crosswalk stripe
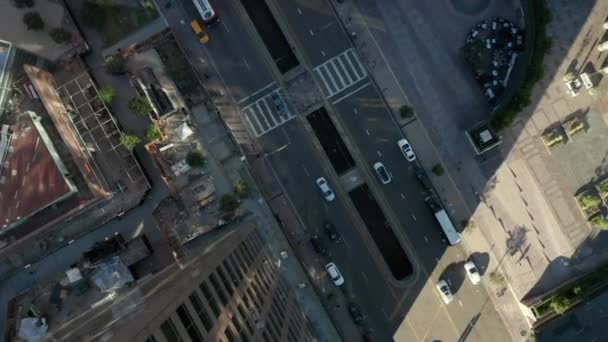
{"x": 267, "y": 113}
{"x": 340, "y": 72}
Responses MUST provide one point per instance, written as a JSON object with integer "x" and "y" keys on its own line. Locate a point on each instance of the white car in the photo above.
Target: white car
{"x": 445, "y": 292}
{"x": 472, "y": 272}
{"x": 381, "y": 172}
{"x": 407, "y": 150}
{"x": 334, "y": 273}
{"x": 325, "y": 189}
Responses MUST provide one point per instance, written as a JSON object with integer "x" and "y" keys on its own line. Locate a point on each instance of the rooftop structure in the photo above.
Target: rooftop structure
{"x": 227, "y": 288}
{"x": 33, "y": 175}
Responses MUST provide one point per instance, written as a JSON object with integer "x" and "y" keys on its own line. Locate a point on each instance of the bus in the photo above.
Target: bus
{"x": 210, "y": 18}
{"x": 448, "y": 228}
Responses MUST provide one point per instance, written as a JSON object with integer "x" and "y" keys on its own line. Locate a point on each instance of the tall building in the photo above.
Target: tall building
{"x": 227, "y": 288}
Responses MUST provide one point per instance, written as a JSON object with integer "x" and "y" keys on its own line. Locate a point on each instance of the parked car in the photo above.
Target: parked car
{"x": 407, "y": 150}
{"x": 381, "y": 172}
{"x": 472, "y": 272}
{"x": 325, "y": 189}
{"x": 318, "y": 245}
{"x": 279, "y": 105}
{"x": 334, "y": 273}
{"x": 331, "y": 231}
{"x": 423, "y": 178}
{"x": 445, "y": 292}
{"x": 355, "y": 313}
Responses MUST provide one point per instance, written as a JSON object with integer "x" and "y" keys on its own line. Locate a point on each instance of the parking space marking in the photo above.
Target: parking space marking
{"x": 364, "y": 277}
{"x": 256, "y": 92}
{"x": 267, "y": 113}
{"x": 402, "y": 196}
{"x": 340, "y": 72}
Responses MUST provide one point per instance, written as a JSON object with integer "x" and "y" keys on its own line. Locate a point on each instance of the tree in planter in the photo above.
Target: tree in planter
{"x": 61, "y": 35}
{"x": 152, "y": 132}
{"x": 241, "y": 189}
{"x": 560, "y": 304}
{"x": 106, "y": 94}
{"x": 33, "y": 21}
{"x": 93, "y": 14}
{"x": 603, "y": 188}
{"x": 498, "y": 279}
{"x": 569, "y": 76}
{"x": 406, "y": 111}
{"x": 228, "y": 203}
{"x": 23, "y": 3}
{"x": 195, "y": 159}
{"x": 599, "y": 222}
{"x": 589, "y": 202}
{"x": 140, "y": 105}
{"x": 115, "y": 65}
{"x": 129, "y": 141}
{"x": 438, "y": 169}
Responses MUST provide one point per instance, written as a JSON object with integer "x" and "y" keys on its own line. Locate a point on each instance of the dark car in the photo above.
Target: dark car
{"x": 423, "y": 179}
{"x": 355, "y": 313}
{"x": 318, "y": 245}
{"x": 331, "y": 231}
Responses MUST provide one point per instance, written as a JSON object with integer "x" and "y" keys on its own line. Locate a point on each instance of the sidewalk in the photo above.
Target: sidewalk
{"x": 475, "y": 240}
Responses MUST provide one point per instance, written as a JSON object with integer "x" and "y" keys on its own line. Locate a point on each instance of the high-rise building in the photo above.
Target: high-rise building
{"x": 227, "y": 288}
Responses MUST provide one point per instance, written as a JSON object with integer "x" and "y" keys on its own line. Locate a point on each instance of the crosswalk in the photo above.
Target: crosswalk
{"x": 267, "y": 113}
{"x": 340, "y": 72}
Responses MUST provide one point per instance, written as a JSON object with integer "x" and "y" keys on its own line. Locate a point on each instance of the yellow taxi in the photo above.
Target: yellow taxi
{"x": 200, "y": 33}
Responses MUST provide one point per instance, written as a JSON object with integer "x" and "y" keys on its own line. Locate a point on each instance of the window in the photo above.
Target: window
{"x": 231, "y": 273}
{"x": 218, "y": 289}
{"x": 243, "y": 314}
{"x": 201, "y": 311}
{"x": 229, "y": 334}
{"x": 260, "y": 297}
{"x": 242, "y": 262}
{"x": 191, "y": 329}
{"x": 210, "y": 299}
{"x": 245, "y": 254}
{"x": 253, "y": 296}
{"x": 236, "y": 267}
{"x": 169, "y": 331}
{"x": 224, "y": 279}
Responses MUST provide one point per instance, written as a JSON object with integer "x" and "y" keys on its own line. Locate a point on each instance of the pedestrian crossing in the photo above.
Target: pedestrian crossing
{"x": 340, "y": 72}
{"x": 267, "y": 113}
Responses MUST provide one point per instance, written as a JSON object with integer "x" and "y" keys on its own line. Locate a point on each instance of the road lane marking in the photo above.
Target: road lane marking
{"x": 256, "y": 92}
{"x": 311, "y": 32}
{"x": 346, "y": 243}
{"x": 323, "y": 53}
{"x": 352, "y": 92}
{"x": 226, "y": 27}
{"x": 306, "y": 171}
{"x": 343, "y": 71}
{"x": 246, "y": 64}
{"x": 459, "y": 302}
{"x": 367, "y": 131}
{"x": 414, "y": 217}
{"x": 379, "y": 154}
{"x": 299, "y": 11}
{"x": 364, "y": 277}
{"x": 402, "y": 196}
{"x": 426, "y": 238}
{"x": 355, "y": 110}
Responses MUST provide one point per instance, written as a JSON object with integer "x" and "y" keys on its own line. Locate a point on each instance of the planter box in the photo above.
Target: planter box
{"x": 589, "y": 209}
{"x": 552, "y": 137}
{"x": 483, "y": 138}
{"x": 573, "y": 126}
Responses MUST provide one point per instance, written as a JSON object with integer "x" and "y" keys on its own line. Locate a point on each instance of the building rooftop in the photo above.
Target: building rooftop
{"x": 34, "y": 176}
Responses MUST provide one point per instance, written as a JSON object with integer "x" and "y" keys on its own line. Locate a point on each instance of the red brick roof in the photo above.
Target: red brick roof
{"x": 32, "y": 179}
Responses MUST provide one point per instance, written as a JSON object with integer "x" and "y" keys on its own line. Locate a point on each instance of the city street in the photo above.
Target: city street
{"x": 371, "y": 135}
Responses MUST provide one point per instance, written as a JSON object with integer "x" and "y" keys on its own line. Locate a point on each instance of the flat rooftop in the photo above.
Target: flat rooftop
{"x": 33, "y": 176}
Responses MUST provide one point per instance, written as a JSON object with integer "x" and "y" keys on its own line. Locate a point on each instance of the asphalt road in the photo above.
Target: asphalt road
{"x": 298, "y": 161}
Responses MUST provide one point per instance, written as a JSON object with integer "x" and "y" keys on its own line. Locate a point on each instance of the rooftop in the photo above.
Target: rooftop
{"x": 33, "y": 177}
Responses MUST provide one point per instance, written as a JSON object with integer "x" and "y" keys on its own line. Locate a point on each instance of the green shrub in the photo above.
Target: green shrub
{"x": 498, "y": 279}
{"x": 140, "y": 105}
{"x": 603, "y": 188}
{"x": 438, "y": 169}
{"x": 228, "y": 203}
{"x": 115, "y": 65}
{"x": 152, "y": 132}
{"x": 33, "y": 21}
{"x": 589, "y": 202}
{"x": 599, "y": 222}
{"x": 560, "y": 304}
{"x": 106, "y": 94}
{"x": 241, "y": 189}
{"x": 195, "y": 159}
{"x": 129, "y": 141}
{"x": 61, "y": 35}
{"x": 577, "y": 290}
{"x": 406, "y": 111}
{"x": 542, "y": 45}
{"x": 552, "y": 138}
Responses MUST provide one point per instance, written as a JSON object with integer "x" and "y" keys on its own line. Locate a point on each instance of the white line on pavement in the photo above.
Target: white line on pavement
{"x": 402, "y": 196}
{"x": 257, "y": 92}
{"x": 246, "y": 64}
{"x": 299, "y": 11}
{"x": 367, "y": 131}
{"x": 351, "y": 93}
{"x": 311, "y": 32}
{"x": 226, "y": 27}
{"x": 306, "y": 171}
{"x": 355, "y": 110}
{"x": 379, "y": 154}
{"x": 364, "y": 277}
{"x": 323, "y": 53}
{"x": 346, "y": 243}
{"x": 414, "y": 217}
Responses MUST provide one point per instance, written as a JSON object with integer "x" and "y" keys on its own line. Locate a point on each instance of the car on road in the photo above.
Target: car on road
{"x": 318, "y": 245}
{"x": 355, "y": 313}
{"x": 407, "y": 150}
{"x": 444, "y": 290}
{"x": 328, "y": 193}
{"x": 423, "y": 178}
{"x": 200, "y": 33}
{"x": 331, "y": 231}
{"x": 381, "y": 172}
{"x": 278, "y": 103}
{"x": 472, "y": 272}
{"x": 334, "y": 273}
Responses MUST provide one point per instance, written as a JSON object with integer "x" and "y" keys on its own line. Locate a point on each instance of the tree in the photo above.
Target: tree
{"x": 590, "y": 201}
{"x": 241, "y": 189}
{"x": 228, "y": 203}
{"x": 406, "y": 111}
{"x": 129, "y": 141}
{"x": 61, "y": 35}
{"x": 152, "y": 132}
{"x": 498, "y": 279}
{"x": 106, "y": 94}
{"x": 23, "y": 3}
{"x": 140, "y": 105}
{"x": 115, "y": 65}
{"x": 599, "y": 222}
{"x": 93, "y": 14}
{"x": 33, "y": 21}
{"x": 560, "y": 304}
{"x": 438, "y": 169}
{"x": 195, "y": 158}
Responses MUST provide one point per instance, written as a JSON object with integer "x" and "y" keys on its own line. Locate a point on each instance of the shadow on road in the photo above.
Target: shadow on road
{"x": 454, "y": 275}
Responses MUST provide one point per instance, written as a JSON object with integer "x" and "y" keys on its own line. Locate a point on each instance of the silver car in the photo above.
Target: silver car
{"x": 325, "y": 189}
{"x": 445, "y": 292}
{"x": 382, "y": 173}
